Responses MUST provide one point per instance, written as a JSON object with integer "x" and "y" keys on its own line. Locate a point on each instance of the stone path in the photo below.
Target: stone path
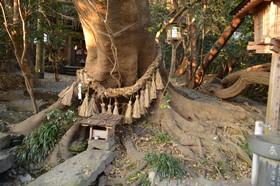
{"x": 80, "y": 170}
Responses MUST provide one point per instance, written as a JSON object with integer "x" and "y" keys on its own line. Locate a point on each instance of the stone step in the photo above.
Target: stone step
{"x": 80, "y": 170}
{"x": 5, "y": 140}
{"x": 6, "y": 160}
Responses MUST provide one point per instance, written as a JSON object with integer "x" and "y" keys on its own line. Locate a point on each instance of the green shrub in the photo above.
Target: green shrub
{"x": 37, "y": 144}
{"x": 144, "y": 180}
{"x": 165, "y": 165}
{"x": 161, "y": 138}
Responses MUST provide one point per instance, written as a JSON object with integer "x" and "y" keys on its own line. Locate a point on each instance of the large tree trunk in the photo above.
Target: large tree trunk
{"x": 119, "y": 48}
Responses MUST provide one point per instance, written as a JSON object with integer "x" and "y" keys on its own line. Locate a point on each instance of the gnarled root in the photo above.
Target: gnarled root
{"x": 33, "y": 122}
{"x": 61, "y": 151}
{"x": 245, "y": 79}
{"x": 132, "y": 153}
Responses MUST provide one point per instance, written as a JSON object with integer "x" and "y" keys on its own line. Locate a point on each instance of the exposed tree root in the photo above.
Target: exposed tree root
{"x": 61, "y": 151}
{"x": 132, "y": 153}
{"x": 206, "y": 127}
{"x": 33, "y": 122}
{"x": 245, "y": 79}
{"x": 193, "y": 106}
{"x": 231, "y": 78}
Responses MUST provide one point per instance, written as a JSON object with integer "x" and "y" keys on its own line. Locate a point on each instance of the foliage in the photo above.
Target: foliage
{"x": 245, "y": 148}
{"x": 37, "y": 145}
{"x": 161, "y": 138}
{"x": 210, "y": 19}
{"x": 159, "y": 13}
{"x": 165, "y": 165}
{"x": 144, "y": 180}
{"x": 141, "y": 177}
{"x": 165, "y": 103}
{"x": 77, "y": 147}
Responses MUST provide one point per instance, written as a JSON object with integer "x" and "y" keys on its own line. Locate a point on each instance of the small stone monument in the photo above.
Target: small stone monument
{"x": 101, "y": 130}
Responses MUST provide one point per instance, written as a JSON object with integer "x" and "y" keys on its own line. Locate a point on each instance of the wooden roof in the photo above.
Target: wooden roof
{"x": 103, "y": 120}
{"x": 246, "y": 7}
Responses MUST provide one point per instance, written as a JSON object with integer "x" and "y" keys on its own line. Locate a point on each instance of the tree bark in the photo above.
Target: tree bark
{"x": 118, "y": 45}
{"x": 214, "y": 51}
{"x": 27, "y": 126}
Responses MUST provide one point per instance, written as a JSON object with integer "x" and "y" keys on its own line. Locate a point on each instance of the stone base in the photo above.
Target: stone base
{"x": 101, "y": 144}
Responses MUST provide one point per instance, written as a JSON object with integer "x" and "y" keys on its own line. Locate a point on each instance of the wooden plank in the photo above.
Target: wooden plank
{"x": 261, "y": 49}
{"x": 273, "y": 104}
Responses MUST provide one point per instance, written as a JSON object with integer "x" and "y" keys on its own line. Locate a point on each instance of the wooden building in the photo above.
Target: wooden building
{"x": 266, "y": 14}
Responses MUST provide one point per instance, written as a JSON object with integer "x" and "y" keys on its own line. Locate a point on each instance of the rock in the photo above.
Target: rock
{"x": 101, "y": 144}
{"x": 108, "y": 169}
{"x": 6, "y": 160}
{"x": 3, "y": 107}
{"x": 102, "y": 181}
{"x": 3, "y": 125}
{"x": 82, "y": 169}
{"x": 152, "y": 176}
{"x": 25, "y": 178}
{"x": 5, "y": 140}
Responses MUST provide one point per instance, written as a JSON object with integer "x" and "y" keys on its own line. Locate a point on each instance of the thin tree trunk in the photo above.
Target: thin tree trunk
{"x": 214, "y": 51}
{"x": 20, "y": 44}
{"x": 194, "y": 51}
{"x": 39, "y": 65}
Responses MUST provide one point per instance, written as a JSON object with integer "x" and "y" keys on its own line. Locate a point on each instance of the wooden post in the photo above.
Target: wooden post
{"x": 90, "y": 133}
{"x": 273, "y": 104}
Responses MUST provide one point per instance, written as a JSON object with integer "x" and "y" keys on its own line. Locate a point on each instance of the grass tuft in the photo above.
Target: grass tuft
{"x": 165, "y": 165}
{"x": 161, "y": 138}
{"x": 37, "y": 145}
{"x": 144, "y": 180}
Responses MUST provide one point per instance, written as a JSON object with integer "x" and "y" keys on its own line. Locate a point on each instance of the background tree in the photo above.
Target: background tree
{"x": 14, "y": 15}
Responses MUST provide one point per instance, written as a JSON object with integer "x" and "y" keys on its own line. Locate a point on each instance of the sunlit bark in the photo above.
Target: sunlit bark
{"x": 119, "y": 47}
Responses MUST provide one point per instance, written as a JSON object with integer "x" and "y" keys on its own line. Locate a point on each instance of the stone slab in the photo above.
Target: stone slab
{"x": 5, "y": 140}
{"x": 80, "y": 170}
{"x": 101, "y": 144}
{"x": 6, "y": 160}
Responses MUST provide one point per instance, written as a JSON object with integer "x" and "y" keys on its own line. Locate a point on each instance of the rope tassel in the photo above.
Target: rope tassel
{"x": 147, "y": 97}
{"x": 92, "y": 106}
{"x": 103, "y": 108}
{"x": 128, "y": 114}
{"x": 159, "y": 83}
{"x": 66, "y": 95}
{"x": 153, "y": 90}
{"x": 84, "y": 108}
{"x": 136, "y": 108}
{"x": 109, "y": 110}
{"x": 116, "y": 109}
{"x": 141, "y": 102}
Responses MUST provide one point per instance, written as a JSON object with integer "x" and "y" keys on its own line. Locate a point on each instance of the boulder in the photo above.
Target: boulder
{"x": 6, "y": 160}
{"x": 5, "y": 140}
{"x": 80, "y": 170}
